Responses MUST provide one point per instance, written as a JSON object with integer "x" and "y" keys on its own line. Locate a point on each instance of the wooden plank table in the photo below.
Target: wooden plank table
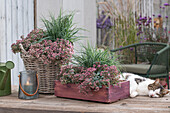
{"x": 52, "y": 104}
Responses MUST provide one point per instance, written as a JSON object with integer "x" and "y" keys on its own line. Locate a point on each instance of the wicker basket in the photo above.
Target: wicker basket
{"x": 29, "y": 61}
{"x": 47, "y": 75}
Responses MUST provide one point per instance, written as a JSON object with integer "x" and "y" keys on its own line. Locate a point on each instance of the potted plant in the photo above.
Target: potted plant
{"x": 50, "y": 48}
{"x": 54, "y": 49}
{"x": 94, "y": 77}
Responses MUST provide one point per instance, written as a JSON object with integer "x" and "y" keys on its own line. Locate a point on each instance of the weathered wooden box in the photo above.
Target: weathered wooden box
{"x": 106, "y": 95}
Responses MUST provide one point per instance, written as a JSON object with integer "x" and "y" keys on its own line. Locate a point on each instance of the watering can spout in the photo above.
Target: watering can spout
{"x": 5, "y": 73}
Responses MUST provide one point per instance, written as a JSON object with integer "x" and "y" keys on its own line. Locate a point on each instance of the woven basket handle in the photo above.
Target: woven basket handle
{"x": 27, "y": 94}
{"x": 22, "y": 48}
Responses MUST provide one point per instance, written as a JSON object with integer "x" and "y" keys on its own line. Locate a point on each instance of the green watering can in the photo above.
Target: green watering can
{"x": 5, "y": 78}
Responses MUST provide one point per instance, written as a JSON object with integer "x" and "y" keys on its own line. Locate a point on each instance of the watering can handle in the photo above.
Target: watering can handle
{"x": 27, "y": 94}
{"x": 3, "y": 81}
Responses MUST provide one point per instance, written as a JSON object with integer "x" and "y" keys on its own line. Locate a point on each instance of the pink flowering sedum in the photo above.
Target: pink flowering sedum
{"x": 50, "y": 52}
{"x": 34, "y": 36}
{"x": 89, "y": 79}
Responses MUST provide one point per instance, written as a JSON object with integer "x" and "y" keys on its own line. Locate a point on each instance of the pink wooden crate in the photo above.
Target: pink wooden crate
{"x": 106, "y": 95}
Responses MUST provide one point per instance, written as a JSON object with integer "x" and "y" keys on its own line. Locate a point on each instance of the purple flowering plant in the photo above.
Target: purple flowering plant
{"x": 147, "y": 33}
{"x": 152, "y": 29}
{"x": 116, "y": 25}
{"x": 104, "y": 21}
{"x": 166, "y": 4}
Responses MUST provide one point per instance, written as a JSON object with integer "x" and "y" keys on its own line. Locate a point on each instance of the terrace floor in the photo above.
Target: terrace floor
{"x": 52, "y": 104}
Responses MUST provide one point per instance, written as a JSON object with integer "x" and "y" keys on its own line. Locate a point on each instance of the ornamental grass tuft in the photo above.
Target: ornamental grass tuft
{"x": 61, "y": 27}
{"x": 89, "y": 56}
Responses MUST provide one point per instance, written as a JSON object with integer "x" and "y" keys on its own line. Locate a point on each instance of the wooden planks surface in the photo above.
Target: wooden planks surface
{"x": 50, "y": 103}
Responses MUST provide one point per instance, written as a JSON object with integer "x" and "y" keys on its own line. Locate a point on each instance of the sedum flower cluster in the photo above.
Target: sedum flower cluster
{"x": 55, "y": 44}
{"x": 89, "y": 79}
{"x": 31, "y": 38}
{"x": 49, "y": 52}
{"x": 46, "y": 51}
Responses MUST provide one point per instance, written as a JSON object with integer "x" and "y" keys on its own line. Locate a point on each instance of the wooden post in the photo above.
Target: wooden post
{"x": 35, "y": 14}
